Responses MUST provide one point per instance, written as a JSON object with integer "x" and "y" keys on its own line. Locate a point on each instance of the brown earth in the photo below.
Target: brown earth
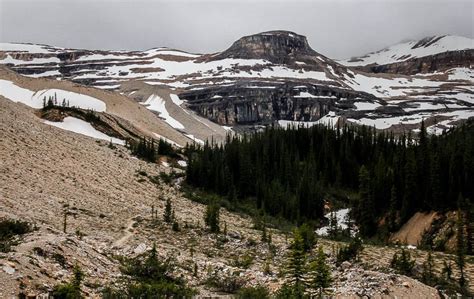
{"x": 108, "y": 195}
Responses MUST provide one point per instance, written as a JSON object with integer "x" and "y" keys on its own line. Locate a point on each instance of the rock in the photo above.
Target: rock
{"x": 8, "y": 269}
{"x": 346, "y": 265}
{"x": 234, "y": 235}
{"x": 141, "y": 248}
{"x": 406, "y": 284}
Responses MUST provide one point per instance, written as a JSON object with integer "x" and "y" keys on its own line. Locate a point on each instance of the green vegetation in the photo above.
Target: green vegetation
{"x": 320, "y": 273}
{"x": 71, "y": 290}
{"x": 402, "y": 262}
{"x": 211, "y": 218}
{"x": 9, "y": 229}
{"x": 287, "y": 172}
{"x": 350, "y": 251}
{"x": 259, "y": 292}
{"x": 149, "y": 278}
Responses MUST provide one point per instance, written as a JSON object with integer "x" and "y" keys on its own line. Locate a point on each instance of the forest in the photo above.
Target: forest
{"x": 290, "y": 172}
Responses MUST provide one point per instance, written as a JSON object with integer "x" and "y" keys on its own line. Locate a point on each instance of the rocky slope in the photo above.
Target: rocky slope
{"x": 106, "y": 219}
{"x": 277, "y": 77}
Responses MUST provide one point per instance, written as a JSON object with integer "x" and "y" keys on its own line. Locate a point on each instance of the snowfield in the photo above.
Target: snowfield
{"x": 156, "y": 103}
{"x": 405, "y": 51}
{"x": 33, "y": 99}
{"x": 82, "y": 127}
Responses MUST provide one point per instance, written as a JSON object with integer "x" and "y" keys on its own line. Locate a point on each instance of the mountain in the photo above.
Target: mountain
{"x": 273, "y": 77}
{"x": 429, "y": 54}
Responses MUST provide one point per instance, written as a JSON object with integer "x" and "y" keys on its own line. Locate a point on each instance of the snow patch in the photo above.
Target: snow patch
{"x": 82, "y": 127}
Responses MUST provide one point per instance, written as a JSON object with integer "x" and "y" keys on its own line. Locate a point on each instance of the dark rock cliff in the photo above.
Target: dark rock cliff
{"x": 280, "y": 47}
{"x": 263, "y": 103}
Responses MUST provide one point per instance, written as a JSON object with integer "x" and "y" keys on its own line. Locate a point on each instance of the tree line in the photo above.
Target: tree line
{"x": 289, "y": 172}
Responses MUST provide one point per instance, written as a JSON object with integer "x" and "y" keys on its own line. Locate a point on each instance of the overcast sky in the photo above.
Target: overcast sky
{"x": 335, "y": 28}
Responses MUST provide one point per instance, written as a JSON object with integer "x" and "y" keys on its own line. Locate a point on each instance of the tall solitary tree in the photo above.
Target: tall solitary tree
{"x": 168, "y": 213}
{"x": 211, "y": 218}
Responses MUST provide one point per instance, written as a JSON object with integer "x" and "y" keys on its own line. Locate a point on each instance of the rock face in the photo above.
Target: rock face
{"x": 263, "y": 103}
{"x": 275, "y": 46}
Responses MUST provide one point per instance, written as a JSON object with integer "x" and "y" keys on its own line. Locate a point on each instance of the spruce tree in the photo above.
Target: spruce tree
{"x": 168, "y": 213}
{"x": 320, "y": 273}
{"x": 296, "y": 270}
{"x": 211, "y": 217}
{"x": 428, "y": 275}
{"x": 460, "y": 246}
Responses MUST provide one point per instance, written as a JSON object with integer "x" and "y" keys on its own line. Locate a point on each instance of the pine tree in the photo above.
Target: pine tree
{"x": 460, "y": 245}
{"x": 211, "y": 217}
{"x": 168, "y": 213}
{"x": 402, "y": 262}
{"x": 392, "y": 214}
{"x": 296, "y": 270}
{"x": 428, "y": 275}
{"x": 320, "y": 273}
{"x": 366, "y": 205}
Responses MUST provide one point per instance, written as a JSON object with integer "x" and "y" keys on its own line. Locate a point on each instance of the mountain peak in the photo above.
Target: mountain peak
{"x": 276, "y": 46}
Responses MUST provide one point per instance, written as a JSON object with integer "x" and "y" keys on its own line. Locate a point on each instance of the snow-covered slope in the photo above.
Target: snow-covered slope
{"x": 413, "y": 49}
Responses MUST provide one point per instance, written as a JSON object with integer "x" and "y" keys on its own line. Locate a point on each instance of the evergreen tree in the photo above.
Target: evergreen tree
{"x": 296, "y": 270}
{"x": 460, "y": 245}
{"x": 168, "y": 213}
{"x": 428, "y": 275}
{"x": 402, "y": 262}
{"x": 320, "y": 273}
{"x": 211, "y": 217}
{"x": 366, "y": 207}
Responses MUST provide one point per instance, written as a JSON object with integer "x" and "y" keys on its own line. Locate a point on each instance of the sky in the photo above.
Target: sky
{"x": 336, "y": 28}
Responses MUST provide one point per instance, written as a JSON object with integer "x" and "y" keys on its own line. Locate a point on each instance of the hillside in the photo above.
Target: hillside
{"x": 106, "y": 219}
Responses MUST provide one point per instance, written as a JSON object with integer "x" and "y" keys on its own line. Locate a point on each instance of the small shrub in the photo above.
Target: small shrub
{"x": 244, "y": 261}
{"x": 402, "y": 262}
{"x": 225, "y": 282}
{"x": 350, "y": 251}
{"x": 9, "y": 229}
{"x": 259, "y": 292}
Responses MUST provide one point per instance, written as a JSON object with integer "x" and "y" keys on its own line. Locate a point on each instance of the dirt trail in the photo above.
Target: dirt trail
{"x": 128, "y": 232}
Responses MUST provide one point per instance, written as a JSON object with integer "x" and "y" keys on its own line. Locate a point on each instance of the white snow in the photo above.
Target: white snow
{"x": 156, "y": 103}
{"x": 166, "y": 139}
{"x": 461, "y": 74}
{"x": 16, "y": 47}
{"x": 176, "y": 100}
{"x": 329, "y": 119}
{"x": 75, "y": 99}
{"x": 17, "y": 94}
{"x": 190, "y": 136}
{"x": 382, "y": 87}
{"x": 366, "y": 105}
{"x": 342, "y": 216}
{"x": 82, "y": 127}
{"x": 305, "y": 94}
{"x": 182, "y": 163}
{"x": 35, "y": 99}
{"x": 404, "y": 51}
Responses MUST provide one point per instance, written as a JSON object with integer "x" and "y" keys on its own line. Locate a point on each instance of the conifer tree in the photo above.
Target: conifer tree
{"x": 428, "y": 275}
{"x": 320, "y": 273}
{"x": 460, "y": 245}
{"x": 296, "y": 270}
{"x": 211, "y": 217}
{"x": 168, "y": 213}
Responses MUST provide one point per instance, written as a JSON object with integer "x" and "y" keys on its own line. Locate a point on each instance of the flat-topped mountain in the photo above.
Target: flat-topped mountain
{"x": 275, "y": 46}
